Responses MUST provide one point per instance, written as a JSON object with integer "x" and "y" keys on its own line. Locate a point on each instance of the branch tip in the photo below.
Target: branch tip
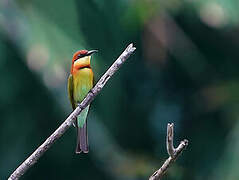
{"x": 169, "y": 140}
{"x": 130, "y": 48}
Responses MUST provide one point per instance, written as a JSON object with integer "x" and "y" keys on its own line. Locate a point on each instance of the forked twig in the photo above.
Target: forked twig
{"x": 172, "y": 152}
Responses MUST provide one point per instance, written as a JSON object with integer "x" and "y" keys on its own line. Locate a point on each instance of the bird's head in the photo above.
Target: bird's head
{"x": 81, "y": 59}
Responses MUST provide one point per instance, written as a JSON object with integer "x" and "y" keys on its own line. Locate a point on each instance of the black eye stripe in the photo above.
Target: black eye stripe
{"x": 81, "y": 55}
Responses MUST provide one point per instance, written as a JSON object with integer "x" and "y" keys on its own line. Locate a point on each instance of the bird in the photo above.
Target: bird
{"x": 80, "y": 82}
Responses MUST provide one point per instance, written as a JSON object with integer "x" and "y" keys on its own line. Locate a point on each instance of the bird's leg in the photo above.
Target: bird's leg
{"x": 78, "y": 104}
{"x": 74, "y": 123}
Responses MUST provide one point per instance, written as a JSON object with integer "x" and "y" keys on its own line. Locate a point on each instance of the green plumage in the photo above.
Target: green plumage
{"x": 77, "y": 94}
{"x": 70, "y": 91}
{"x": 79, "y": 84}
{"x": 81, "y": 119}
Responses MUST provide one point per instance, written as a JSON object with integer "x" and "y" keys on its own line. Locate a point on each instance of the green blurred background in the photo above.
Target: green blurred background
{"x": 185, "y": 70}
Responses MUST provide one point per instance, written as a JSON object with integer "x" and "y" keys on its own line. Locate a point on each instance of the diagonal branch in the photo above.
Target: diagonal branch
{"x": 172, "y": 152}
{"x": 32, "y": 159}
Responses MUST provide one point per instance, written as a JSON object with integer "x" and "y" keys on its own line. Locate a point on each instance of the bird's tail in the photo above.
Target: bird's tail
{"x": 82, "y": 136}
{"x": 82, "y": 139}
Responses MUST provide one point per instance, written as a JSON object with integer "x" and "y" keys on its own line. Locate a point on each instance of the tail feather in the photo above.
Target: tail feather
{"x": 82, "y": 136}
{"x": 82, "y": 139}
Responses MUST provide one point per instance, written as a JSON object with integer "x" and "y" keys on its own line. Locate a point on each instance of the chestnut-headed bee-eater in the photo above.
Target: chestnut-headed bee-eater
{"x": 80, "y": 83}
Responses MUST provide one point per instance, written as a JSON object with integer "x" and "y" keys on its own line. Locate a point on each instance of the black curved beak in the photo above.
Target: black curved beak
{"x": 91, "y": 52}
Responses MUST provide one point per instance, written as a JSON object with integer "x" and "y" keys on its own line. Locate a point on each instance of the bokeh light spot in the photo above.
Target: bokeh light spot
{"x": 213, "y": 15}
{"x": 37, "y": 57}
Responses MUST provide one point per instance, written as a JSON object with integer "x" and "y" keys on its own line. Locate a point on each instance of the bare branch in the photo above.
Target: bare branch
{"x": 169, "y": 140}
{"x": 173, "y": 153}
{"x": 32, "y": 159}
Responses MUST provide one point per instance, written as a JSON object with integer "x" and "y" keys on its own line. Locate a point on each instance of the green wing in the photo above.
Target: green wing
{"x": 70, "y": 91}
